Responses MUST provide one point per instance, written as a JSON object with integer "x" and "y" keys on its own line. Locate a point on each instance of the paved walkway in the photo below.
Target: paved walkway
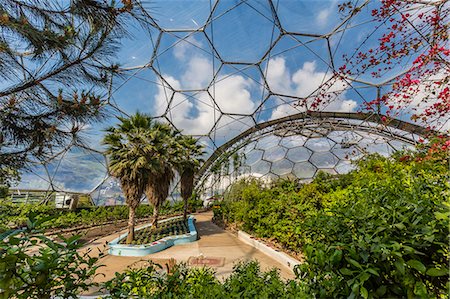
{"x": 213, "y": 242}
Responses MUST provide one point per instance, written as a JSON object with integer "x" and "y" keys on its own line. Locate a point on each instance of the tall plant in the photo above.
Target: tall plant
{"x": 187, "y": 164}
{"x": 161, "y": 173}
{"x": 55, "y": 58}
{"x": 128, "y": 151}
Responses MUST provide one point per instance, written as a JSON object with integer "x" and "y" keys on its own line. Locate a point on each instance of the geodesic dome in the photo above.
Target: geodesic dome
{"x": 218, "y": 69}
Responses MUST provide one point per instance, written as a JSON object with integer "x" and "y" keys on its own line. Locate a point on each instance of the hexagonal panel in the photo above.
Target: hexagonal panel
{"x": 179, "y": 14}
{"x": 383, "y": 149}
{"x": 345, "y": 167}
{"x": 268, "y": 142}
{"x": 293, "y": 141}
{"x": 253, "y": 157}
{"x": 319, "y": 144}
{"x": 344, "y": 153}
{"x": 193, "y": 113}
{"x": 299, "y": 154}
{"x": 236, "y": 24}
{"x": 78, "y": 170}
{"x": 243, "y": 84}
{"x": 275, "y": 153}
{"x": 260, "y": 168}
{"x": 304, "y": 170}
{"x": 346, "y": 138}
{"x": 324, "y": 160}
{"x": 282, "y": 167}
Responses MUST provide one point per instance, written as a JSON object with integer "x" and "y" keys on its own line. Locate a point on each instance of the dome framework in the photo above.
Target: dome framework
{"x": 242, "y": 77}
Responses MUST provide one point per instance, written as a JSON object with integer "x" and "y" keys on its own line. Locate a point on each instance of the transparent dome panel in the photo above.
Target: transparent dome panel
{"x": 282, "y": 167}
{"x": 304, "y": 170}
{"x": 78, "y": 170}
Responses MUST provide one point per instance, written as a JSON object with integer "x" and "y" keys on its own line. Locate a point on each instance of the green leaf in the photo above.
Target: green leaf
{"x": 346, "y": 271}
{"x": 364, "y": 293}
{"x": 400, "y": 265}
{"x": 381, "y": 290}
{"x": 336, "y": 257}
{"x": 417, "y": 265}
{"x": 420, "y": 289}
{"x": 364, "y": 276}
{"x": 373, "y": 271}
{"x": 400, "y": 225}
{"x": 355, "y": 288}
{"x": 354, "y": 263}
{"x": 437, "y": 272}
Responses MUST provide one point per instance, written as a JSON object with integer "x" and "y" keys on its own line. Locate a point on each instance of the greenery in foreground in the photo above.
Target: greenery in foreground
{"x": 16, "y": 215}
{"x": 379, "y": 232}
{"x": 57, "y": 269}
{"x": 246, "y": 281}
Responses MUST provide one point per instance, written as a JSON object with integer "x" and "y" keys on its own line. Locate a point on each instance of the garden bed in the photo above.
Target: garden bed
{"x": 172, "y": 227}
{"x": 166, "y": 234}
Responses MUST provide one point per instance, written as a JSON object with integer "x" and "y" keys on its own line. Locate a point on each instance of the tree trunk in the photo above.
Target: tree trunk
{"x": 185, "y": 208}
{"x": 131, "y": 223}
{"x": 155, "y": 216}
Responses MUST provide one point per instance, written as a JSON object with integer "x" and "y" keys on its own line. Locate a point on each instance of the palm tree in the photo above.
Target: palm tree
{"x": 187, "y": 164}
{"x": 128, "y": 151}
{"x": 159, "y": 179}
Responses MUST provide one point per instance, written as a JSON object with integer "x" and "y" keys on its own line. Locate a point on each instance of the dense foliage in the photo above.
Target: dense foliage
{"x": 34, "y": 266}
{"x": 381, "y": 231}
{"x": 16, "y": 215}
{"x": 246, "y": 281}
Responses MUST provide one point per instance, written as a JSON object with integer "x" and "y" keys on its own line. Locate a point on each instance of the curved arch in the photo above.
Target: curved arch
{"x": 334, "y": 118}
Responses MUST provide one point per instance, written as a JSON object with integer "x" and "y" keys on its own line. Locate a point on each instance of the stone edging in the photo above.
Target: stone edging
{"x": 141, "y": 250}
{"x": 277, "y": 255}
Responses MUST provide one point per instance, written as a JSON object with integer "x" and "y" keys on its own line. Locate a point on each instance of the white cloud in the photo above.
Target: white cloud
{"x": 278, "y": 76}
{"x": 184, "y": 46}
{"x": 232, "y": 94}
{"x": 198, "y": 74}
{"x": 305, "y": 83}
{"x": 322, "y": 17}
{"x": 196, "y": 114}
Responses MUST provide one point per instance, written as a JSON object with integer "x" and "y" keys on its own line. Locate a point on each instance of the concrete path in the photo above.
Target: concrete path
{"x": 213, "y": 242}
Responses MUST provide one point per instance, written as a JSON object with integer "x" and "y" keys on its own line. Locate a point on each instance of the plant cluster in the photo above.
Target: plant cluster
{"x": 16, "y": 215}
{"x": 34, "y": 266}
{"x": 172, "y": 227}
{"x": 144, "y": 155}
{"x": 380, "y": 231}
{"x": 246, "y": 281}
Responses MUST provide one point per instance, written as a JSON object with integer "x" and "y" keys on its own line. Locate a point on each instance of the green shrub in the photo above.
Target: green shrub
{"x": 53, "y": 269}
{"x": 16, "y": 215}
{"x": 246, "y": 281}
{"x": 380, "y": 231}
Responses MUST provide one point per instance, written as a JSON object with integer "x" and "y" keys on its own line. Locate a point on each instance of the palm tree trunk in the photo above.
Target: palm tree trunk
{"x": 131, "y": 223}
{"x": 185, "y": 208}
{"x": 187, "y": 186}
{"x": 155, "y": 216}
